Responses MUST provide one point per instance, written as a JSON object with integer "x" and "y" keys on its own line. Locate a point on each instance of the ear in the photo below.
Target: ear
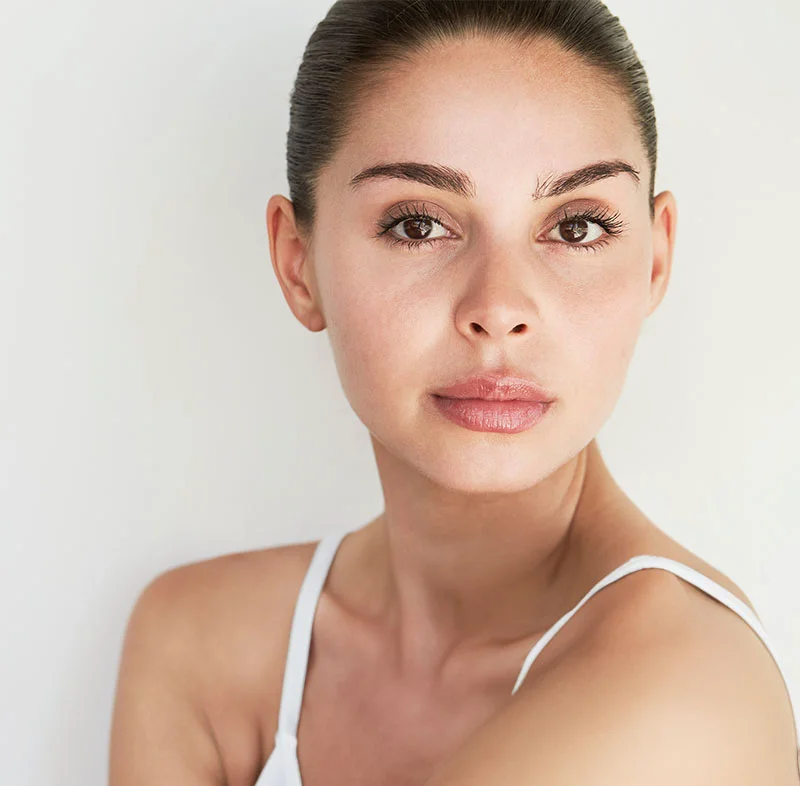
{"x": 665, "y": 224}
{"x": 290, "y": 254}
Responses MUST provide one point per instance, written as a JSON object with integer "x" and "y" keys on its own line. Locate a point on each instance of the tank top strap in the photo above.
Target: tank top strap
{"x": 294, "y": 676}
{"x": 694, "y": 577}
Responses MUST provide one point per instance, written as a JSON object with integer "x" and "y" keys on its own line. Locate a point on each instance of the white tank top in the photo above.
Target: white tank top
{"x": 282, "y": 767}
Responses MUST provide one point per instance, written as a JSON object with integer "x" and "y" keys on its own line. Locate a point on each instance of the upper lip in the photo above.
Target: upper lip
{"x": 496, "y": 387}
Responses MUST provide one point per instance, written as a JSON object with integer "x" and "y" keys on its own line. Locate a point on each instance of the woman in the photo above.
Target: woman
{"x": 473, "y": 220}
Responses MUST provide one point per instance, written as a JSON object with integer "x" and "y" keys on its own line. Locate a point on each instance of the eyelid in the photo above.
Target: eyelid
{"x": 577, "y": 206}
{"x": 410, "y": 209}
{"x": 415, "y": 206}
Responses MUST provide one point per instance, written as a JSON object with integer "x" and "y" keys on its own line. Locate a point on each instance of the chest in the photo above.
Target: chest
{"x": 369, "y": 731}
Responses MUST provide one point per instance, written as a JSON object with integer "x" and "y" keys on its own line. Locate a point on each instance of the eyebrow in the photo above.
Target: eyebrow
{"x": 460, "y": 183}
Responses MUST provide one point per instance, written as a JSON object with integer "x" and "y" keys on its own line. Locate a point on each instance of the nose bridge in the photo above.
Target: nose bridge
{"x": 499, "y": 294}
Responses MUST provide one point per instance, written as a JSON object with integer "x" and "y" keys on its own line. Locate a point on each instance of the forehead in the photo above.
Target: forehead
{"x": 493, "y": 108}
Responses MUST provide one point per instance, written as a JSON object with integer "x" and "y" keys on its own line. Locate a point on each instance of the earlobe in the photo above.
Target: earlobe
{"x": 289, "y": 255}
{"x": 664, "y": 232}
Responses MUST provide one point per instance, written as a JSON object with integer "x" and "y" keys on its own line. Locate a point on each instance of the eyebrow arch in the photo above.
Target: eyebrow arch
{"x": 460, "y": 183}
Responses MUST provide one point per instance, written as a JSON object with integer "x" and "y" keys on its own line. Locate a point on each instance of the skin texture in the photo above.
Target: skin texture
{"x": 486, "y": 540}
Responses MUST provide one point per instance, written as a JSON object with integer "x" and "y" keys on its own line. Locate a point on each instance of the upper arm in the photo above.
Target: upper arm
{"x": 675, "y": 702}
{"x": 159, "y": 733}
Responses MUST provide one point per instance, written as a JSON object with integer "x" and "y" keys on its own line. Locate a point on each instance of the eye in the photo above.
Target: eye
{"x": 416, "y": 224}
{"x": 587, "y": 230}
{"x": 583, "y": 230}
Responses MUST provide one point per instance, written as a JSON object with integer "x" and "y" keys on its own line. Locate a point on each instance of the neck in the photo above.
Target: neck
{"x": 481, "y": 574}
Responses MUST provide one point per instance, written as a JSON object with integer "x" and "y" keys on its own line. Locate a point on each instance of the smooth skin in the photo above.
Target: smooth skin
{"x": 486, "y": 539}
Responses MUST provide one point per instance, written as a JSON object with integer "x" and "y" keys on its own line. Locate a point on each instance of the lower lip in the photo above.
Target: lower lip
{"x": 503, "y": 417}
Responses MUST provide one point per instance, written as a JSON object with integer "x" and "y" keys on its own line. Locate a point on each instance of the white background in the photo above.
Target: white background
{"x": 160, "y": 404}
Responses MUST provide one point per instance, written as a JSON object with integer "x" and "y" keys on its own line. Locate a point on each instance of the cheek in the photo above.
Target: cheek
{"x": 379, "y": 331}
{"x": 602, "y": 328}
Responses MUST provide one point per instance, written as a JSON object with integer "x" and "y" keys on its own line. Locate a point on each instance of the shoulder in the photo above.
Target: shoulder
{"x": 206, "y": 641}
{"x": 659, "y": 687}
{"x": 227, "y": 619}
{"x": 239, "y": 582}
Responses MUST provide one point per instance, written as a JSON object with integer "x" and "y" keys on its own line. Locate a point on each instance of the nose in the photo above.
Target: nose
{"x": 498, "y": 300}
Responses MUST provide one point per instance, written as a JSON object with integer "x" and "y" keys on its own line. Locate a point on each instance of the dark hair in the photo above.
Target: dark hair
{"x": 358, "y": 41}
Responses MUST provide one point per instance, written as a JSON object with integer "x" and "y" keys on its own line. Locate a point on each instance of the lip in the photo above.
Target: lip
{"x": 503, "y": 417}
{"x": 496, "y": 387}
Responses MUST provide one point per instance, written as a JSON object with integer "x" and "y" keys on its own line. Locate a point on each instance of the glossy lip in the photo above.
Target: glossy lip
{"x": 496, "y": 387}
{"x": 510, "y": 416}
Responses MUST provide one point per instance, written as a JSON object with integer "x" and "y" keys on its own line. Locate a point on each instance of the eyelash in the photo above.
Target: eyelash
{"x": 611, "y": 223}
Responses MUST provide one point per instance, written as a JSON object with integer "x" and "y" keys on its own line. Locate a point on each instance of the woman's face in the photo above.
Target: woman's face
{"x": 404, "y": 320}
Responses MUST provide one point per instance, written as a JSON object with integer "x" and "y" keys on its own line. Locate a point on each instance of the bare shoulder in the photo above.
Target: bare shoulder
{"x": 227, "y": 611}
{"x": 232, "y": 595}
{"x": 659, "y": 687}
{"x": 204, "y": 653}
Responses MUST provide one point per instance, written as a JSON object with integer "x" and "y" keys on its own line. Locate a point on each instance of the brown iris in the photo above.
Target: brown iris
{"x": 416, "y": 223}
{"x": 576, "y": 229}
